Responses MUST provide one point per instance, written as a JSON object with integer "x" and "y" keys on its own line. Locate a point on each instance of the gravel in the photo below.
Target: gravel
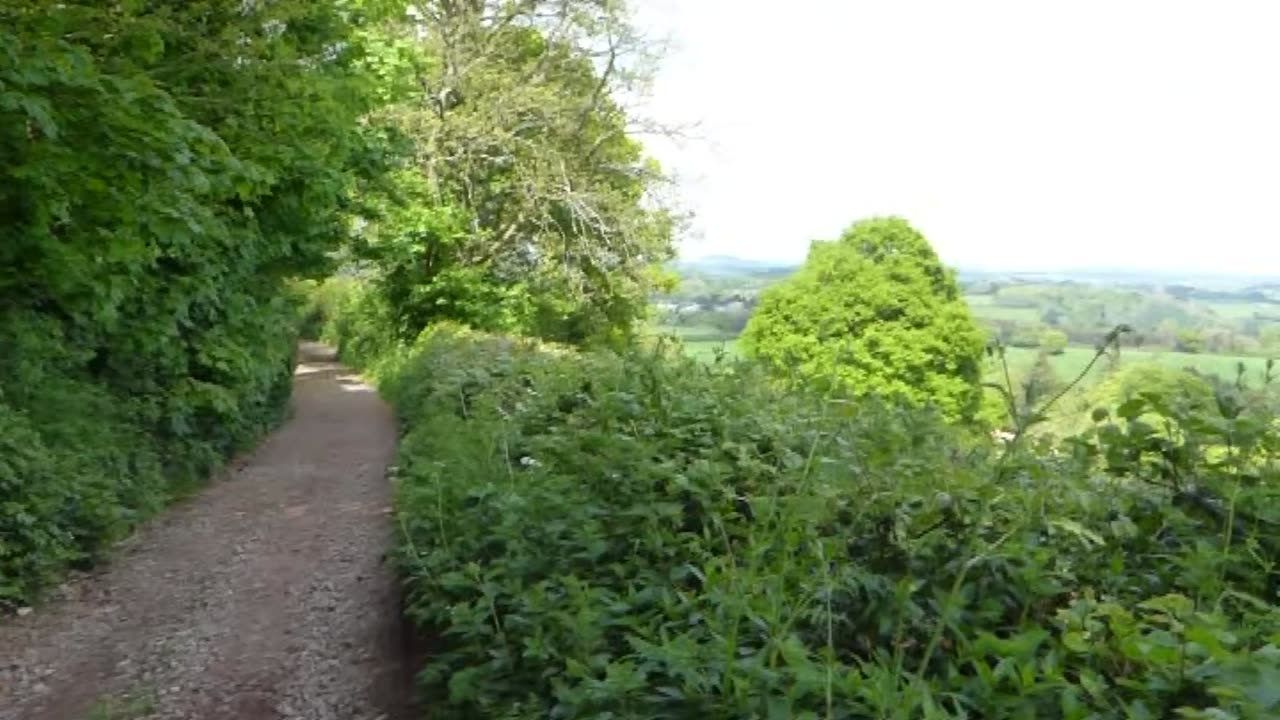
{"x": 265, "y": 597}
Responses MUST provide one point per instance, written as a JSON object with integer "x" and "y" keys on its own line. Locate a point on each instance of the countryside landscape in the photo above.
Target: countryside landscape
{"x": 1225, "y": 327}
{"x": 374, "y": 360}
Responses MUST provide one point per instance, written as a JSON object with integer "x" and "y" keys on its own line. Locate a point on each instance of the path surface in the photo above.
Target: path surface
{"x": 264, "y": 597}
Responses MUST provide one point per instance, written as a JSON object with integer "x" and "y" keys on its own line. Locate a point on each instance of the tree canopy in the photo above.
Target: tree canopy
{"x": 1053, "y": 342}
{"x": 873, "y": 313}
{"x": 165, "y": 168}
{"x": 523, "y": 203}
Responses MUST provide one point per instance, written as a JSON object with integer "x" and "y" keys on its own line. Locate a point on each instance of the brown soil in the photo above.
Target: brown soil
{"x": 266, "y": 596}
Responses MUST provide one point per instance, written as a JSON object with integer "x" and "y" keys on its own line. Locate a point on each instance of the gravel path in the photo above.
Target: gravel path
{"x": 264, "y": 597}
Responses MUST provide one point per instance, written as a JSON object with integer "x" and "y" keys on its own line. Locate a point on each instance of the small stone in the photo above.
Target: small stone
{"x": 40, "y": 688}
{"x": 25, "y": 611}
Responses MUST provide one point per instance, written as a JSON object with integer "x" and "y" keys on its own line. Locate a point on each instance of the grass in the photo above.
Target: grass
{"x": 701, "y": 342}
{"x": 1070, "y": 363}
{"x": 696, "y": 333}
{"x": 707, "y": 349}
{"x": 1242, "y": 310}
{"x": 137, "y": 703}
{"x": 984, "y": 309}
{"x": 704, "y": 344}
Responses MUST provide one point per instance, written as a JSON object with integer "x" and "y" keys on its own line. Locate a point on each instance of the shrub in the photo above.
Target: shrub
{"x": 1189, "y": 341}
{"x": 163, "y": 171}
{"x": 593, "y": 535}
{"x": 1053, "y": 342}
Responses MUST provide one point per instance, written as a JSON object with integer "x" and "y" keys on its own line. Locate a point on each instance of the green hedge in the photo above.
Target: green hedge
{"x": 164, "y": 169}
{"x": 587, "y": 535}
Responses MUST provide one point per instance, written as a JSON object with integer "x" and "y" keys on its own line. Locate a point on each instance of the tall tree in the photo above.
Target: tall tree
{"x": 873, "y": 313}
{"x": 525, "y": 202}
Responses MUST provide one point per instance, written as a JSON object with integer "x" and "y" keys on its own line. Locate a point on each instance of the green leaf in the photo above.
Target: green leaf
{"x": 465, "y": 685}
{"x": 1132, "y": 408}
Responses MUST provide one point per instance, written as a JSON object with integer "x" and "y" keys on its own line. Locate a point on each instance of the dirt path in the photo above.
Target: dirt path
{"x": 265, "y": 596}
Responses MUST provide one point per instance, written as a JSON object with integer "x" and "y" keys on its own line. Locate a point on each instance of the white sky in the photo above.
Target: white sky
{"x": 1015, "y": 134}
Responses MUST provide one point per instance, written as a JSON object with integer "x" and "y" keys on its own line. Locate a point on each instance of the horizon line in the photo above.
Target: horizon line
{"x": 1201, "y": 272}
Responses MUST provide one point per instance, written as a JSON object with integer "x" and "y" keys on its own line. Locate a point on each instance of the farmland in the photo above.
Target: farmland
{"x": 702, "y": 342}
{"x": 1212, "y": 328}
{"x": 705, "y": 342}
{"x": 1073, "y": 361}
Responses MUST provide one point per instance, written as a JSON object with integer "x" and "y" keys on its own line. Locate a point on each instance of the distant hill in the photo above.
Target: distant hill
{"x": 721, "y": 265}
{"x": 1123, "y": 277}
{"x": 726, "y": 266}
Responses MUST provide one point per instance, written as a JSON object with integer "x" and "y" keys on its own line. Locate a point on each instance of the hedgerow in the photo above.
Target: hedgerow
{"x": 589, "y": 535}
{"x": 164, "y": 168}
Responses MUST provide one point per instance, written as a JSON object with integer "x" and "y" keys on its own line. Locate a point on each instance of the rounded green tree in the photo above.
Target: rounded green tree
{"x": 1053, "y": 342}
{"x": 873, "y": 313}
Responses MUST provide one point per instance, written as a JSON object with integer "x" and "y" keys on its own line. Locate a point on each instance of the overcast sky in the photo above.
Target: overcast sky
{"x": 1015, "y": 134}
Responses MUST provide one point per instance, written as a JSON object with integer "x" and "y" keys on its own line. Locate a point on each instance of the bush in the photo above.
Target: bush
{"x": 161, "y": 176}
{"x": 590, "y": 535}
{"x": 1126, "y": 383}
{"x": 873, "y": 313}
{"x": 1053, "y": 342}
{"x": 1024, "y": 336}
{"x": 75, "y": 475}
{"x": 1189, "y": 341}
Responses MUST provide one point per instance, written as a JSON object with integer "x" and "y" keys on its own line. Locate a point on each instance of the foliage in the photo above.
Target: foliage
{"x": 728, "y": 321}
{"x": 362, "y": 326}
{"x": 1190, "y": 341}
{"x": 1125, "y": 383}
{"x": 644, "y": 537}
{"x": 874, "y": 312}
{"x": 1053, "y": 342}
{"x": 1042, "y": 382}
{"x": 1021, "y": 335}
{"x": 165, "y": 167}
{"x": 321, "y": 303}
{"x": 1219, "y": 321}
{"x": 522, "y": 202}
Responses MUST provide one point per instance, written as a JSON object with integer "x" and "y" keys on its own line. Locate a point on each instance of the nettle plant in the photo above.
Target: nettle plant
{"x": 644, "y": 536}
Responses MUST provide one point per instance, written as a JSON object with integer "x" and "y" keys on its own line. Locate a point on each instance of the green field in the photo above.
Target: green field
{"x": 1243, "y": 310}
{"x": 692, "y": 333}
{"x": 984, "y": 308}
{"x": 704, "y": 342}
{"x": 707, "y": 349}
{"x": 1070, "y": 363}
